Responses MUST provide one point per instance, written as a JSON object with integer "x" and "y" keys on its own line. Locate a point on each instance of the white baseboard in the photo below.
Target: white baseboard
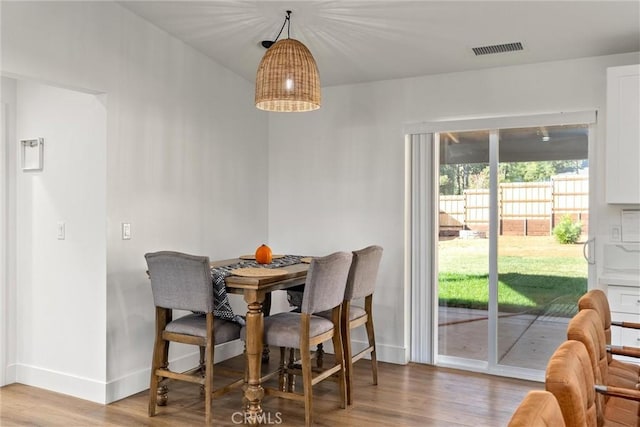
{"x": 388, "y": 353}
{"x": 101, "y": 392}
{"x": 135, "y": 382}
{"x": 385, "y": 353}
{"x": 61, "y": 382}
{"x": 9, "y": 375}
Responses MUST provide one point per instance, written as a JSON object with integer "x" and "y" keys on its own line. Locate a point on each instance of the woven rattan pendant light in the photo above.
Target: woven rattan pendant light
{"x": 287, "y": 78}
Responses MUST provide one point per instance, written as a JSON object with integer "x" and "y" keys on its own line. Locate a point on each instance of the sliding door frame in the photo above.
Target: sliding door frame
{"x": 421, "y": 231}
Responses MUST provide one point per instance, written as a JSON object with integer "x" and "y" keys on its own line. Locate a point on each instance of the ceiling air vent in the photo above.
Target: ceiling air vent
{"x": 497, "y": 48}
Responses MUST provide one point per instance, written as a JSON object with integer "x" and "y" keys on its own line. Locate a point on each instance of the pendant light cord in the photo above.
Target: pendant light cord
{"x": 287, "y": 20}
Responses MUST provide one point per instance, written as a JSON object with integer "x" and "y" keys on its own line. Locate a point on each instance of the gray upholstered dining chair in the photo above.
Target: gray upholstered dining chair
{"x": 361, "y": 283}
{"x": 324, "y": 290}
{"x": 183, "y": 282}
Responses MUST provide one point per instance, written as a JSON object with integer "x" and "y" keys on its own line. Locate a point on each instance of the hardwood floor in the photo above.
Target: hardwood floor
{"x": 411, "y": 395}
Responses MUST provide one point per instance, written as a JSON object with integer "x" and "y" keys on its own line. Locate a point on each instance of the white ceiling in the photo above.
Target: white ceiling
{"x": 360, "y": 41}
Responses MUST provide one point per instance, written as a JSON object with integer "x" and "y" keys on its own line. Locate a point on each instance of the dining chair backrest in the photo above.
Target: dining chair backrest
{"x": 325, "y": 283}
{"x": 585, "y": 327}
{"x": 180, "y": 281}
{"x": 363, "y": 273}
{"x": 597, "y": 300}
{"x": 570, "y": 379}
{"x": 538, "y": 408}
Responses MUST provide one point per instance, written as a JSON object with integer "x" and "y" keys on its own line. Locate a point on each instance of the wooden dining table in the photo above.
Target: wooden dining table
{"x": 254, "y": 290}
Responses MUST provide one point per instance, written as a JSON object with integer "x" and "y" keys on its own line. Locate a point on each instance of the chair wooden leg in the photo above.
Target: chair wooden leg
{"x": 208, "y": 371}
{"x": 348, "y": 362}
{"x": 319, "y": 355}
{"x": 372, "y": 338}
{"x": 374, "y": 358}
{"x": 307, "y": 383}
{"x": 202, "y": 360}
{"x": 162, "y": 393}
{"x": 340, "y": 360}
{"x": 159, "y": 360}
{"x": 281, "y": 369}
{"x": 163, "y": 389}
{"x": 266, "y": 311}
{"x": 291, "y": 379}
{"x": 202, "y": 368}
{"x": 307, "y": 378}
{"x": 153, "y": 384}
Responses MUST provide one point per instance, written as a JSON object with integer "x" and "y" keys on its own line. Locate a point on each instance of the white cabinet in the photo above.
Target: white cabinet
{"x": 623, "y": 135}
{"x": 624, "y": 302}
{"x": 624, "y": 299}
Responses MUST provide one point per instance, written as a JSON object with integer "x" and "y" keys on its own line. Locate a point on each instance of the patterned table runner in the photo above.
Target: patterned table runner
{"x": 222, "y": 308}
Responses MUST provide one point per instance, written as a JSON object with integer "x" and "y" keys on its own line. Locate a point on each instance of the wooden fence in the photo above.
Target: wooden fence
{"x": 525, "y": 208}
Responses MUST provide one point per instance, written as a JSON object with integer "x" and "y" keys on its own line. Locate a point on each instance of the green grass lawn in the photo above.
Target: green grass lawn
{"x": 527, "y": 279}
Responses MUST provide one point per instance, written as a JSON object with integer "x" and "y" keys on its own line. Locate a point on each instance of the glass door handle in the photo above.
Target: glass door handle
{"x": 587, "y": 252}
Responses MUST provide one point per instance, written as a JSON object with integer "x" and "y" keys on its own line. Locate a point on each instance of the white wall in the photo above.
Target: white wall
{"x": 336, "y": 176}
{"x": 186, "y": 156}
{"x": 61, "y": 284}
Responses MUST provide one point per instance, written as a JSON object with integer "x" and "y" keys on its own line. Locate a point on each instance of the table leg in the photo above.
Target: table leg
{"x": 253, "y": 391}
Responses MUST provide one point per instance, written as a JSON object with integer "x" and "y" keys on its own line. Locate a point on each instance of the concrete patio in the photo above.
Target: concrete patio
{"x": 524, "y": 340}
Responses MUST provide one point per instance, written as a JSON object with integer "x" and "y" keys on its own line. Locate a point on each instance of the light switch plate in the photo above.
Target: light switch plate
{"x": 60, "y": 227}
{"x": 126, "y": 231}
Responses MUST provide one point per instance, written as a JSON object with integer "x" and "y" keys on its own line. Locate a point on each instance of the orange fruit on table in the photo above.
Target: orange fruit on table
{"x": 263, "y": 255}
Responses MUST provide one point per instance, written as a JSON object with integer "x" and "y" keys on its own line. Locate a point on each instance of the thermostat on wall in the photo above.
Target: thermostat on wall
{"x": 32, "y": 152}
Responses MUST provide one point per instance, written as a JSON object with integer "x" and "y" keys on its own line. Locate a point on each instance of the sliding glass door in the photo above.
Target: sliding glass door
{"x": 463, "y": 246}
{"x": 513, "y": 214}
{"x": 543, "y": 186}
